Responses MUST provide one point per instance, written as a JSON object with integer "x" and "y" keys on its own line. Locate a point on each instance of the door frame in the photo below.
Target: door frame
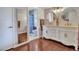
{"x": 16, "y": 29}
{"x": 32, "y": 8}
{"x": 17, "y": 45}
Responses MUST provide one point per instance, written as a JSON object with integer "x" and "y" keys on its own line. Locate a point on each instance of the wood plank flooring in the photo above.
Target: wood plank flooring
{"x": 22, "y": 37}
{"x": 43, "y": 45}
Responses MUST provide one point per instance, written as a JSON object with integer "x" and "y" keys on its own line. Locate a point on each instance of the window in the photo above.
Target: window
{"x": 50, "y": 17}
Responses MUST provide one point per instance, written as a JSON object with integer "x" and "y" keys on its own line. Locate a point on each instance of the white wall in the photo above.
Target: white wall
{"x": 77, "y": 11}
{"x": 73, "y": 14}
{"x": 40, "y": 13}
{"x": 40, "y": 16}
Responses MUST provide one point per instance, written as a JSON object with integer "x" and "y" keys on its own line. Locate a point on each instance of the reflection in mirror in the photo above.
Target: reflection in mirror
{"x": 53, "y": 15}
{"x": 21, "y": 16}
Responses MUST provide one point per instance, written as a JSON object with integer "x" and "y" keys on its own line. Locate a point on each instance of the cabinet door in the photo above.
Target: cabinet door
{"x": 51, "y": 33}
{"x": 71, "y": 37}
{"x": 68, "y": 37}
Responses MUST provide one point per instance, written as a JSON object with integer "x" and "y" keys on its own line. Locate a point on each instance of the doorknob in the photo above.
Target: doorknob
{"x": 10, "y": 27}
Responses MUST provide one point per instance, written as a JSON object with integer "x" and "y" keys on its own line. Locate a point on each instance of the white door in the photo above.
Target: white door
{"x": 6, "y": 40}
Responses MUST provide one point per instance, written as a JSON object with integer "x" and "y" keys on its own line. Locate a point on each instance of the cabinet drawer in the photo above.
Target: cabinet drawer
{"x": 68, "y": 37}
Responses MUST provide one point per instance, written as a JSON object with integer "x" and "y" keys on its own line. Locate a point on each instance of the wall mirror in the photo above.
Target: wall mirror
{"x": 53, "y": 13}
{"x": 50, "y": 16}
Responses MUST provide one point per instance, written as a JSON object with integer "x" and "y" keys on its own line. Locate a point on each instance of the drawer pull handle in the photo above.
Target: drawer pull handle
{"x": 65, "y": 35}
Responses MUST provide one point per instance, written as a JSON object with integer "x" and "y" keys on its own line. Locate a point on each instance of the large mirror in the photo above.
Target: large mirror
{"x": 50, "y": 16}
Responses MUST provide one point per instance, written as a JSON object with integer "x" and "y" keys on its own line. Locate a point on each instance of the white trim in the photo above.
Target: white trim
{"x": 15, "y": 46}
{"x": 22, "y": 32}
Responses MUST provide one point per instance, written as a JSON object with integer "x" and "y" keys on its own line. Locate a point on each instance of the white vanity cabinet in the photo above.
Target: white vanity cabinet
{"x": 49, "y": 32}
{"x": 65, "y": 35}
{"x": 68, "y": 37}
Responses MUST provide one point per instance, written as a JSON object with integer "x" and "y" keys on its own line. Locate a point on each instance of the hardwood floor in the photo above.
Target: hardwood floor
{"x": 43, "y": 45}
{"x": 21, "y": 48}
{"x": 22, "y": 37}
{"x": 49, "y": 45}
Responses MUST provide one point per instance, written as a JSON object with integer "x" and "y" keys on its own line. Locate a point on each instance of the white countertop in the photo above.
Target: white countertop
{"x": 62, "y": 26}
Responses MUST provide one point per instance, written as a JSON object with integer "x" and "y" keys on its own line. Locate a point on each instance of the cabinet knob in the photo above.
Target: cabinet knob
{"x": 65, "y": 34}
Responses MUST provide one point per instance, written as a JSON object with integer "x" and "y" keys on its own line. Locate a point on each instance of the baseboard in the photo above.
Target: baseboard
{"x": 22, "y": 32}
{"x": 18, "y": 45}
{"x": 6, "y": 49}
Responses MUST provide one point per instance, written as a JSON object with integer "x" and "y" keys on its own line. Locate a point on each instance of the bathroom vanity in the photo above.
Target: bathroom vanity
{"x": 66, "y": 35}
{"x": 63, "y": 26}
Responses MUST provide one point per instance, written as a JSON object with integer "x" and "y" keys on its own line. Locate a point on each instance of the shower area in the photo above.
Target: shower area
{"x": 32, "y": 23}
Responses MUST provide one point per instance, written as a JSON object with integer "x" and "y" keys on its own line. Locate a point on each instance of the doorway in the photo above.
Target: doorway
{"x": 21, "y": 15}
{"x": 32, "y": 23}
